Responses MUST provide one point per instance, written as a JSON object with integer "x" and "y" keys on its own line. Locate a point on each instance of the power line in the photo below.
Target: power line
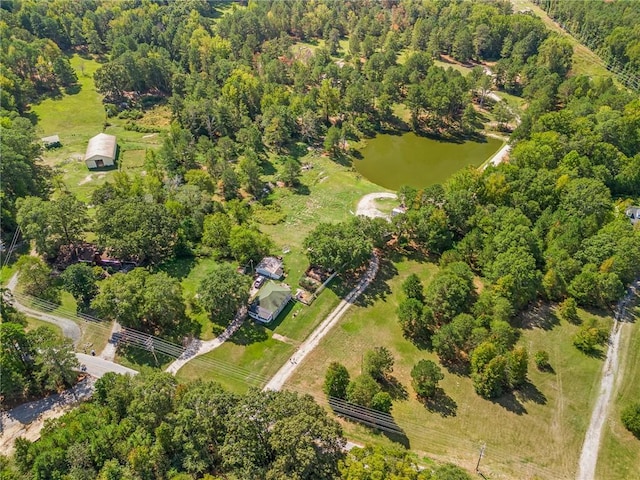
{"x": 397, "y": 425}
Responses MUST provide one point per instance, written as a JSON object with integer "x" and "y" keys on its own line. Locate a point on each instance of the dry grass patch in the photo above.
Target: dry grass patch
{"x": 537, "y": 431}
{"x": 620, "y": 451}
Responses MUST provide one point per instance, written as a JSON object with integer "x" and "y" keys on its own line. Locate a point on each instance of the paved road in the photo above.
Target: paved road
{"x": 591, "y": 445}
{"x": 68, "y": 327}
{"x": 27, "y": 420}
{"x": 97, "y": 367}
{"x": 306, "y": 347}
{"x": 367, "y": 204}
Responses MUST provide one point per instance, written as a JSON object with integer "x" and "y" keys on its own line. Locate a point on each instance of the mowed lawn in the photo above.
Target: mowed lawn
{"x": 330, "y": 193}
{"x": 620, "y": 451}
{"x": 80, "y": 115}
{"x": 538, "y": 432}
{"x": 249, "y": 359}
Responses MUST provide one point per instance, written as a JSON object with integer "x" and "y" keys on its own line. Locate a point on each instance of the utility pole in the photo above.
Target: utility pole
{"x": 484, "y": 445}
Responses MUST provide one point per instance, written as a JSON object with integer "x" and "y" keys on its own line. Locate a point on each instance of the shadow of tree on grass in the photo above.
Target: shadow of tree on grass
{"x": 379, "y": 288}
{"x": 393, "y": 387}
{"x": 440, "y": 403}
{"x": 528, "y": 392}
{"x": 538, "y": 316}
{"x": 249, "y": 333}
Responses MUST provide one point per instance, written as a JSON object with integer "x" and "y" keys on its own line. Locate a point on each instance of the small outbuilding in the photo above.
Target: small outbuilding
{"x": 101, "y": 151}
{"x": 270, "y": 302}
{"x": 52, "y": 141}
{"x": 398, "y": 211}
{"x": 271, "y": 267}
{"x": 634, "y": 214}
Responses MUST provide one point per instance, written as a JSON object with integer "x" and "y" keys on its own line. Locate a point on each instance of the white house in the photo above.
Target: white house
{"x": 271, "y": 267}
{"x": 634, "y": 214}
{"x": 270, "y": 302}
{"x": 101, "y": 151}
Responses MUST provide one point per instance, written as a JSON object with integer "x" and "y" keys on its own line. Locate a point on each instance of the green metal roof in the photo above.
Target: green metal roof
{"x": 272, "y": 296}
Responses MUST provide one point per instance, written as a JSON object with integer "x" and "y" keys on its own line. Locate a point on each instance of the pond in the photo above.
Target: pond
{"x": 395, "y": 160}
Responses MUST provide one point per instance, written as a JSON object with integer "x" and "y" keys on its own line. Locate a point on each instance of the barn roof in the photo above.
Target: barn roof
{"x": 103, "y": 145}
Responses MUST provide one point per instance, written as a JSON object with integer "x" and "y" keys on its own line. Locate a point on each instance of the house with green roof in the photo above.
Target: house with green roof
{"x": 270, "y": 302}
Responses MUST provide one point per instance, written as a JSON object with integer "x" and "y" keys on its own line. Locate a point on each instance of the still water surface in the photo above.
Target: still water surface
{"x": 395, "y": 160}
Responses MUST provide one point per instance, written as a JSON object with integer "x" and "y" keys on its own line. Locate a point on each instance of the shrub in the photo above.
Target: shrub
{"x": 541, "y": 358}
{"x": 568, "y": 311}
{"x": 631, "y": 418}
{"x": 382, "y": 402}
{"x": 590, "y": 336}
{"x": 361, "y": 390}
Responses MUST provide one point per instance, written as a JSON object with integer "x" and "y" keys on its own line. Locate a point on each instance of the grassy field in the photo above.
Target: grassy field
{"x": 329, "y": 193}
{"x": 620, "y": 451}
{"x": 33, "y": 323}
{"x": 249, "y": 359}
{"x": 552, "y": 407}
{"x": 94, "y": 335}
{"x": 78, "y": 116}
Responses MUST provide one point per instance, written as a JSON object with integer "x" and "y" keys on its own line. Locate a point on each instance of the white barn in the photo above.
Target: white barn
{"x": 101, "y": 151}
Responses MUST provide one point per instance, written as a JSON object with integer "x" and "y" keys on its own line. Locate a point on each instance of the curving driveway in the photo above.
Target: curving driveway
{"x": 68, "y": 327}
{"x": 367, "y": 204}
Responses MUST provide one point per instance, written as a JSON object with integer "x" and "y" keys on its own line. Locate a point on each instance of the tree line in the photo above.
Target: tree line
{"x": 608, "y": 28}
{"x": 152, "y": 427}
{"x": 35, "y": 363}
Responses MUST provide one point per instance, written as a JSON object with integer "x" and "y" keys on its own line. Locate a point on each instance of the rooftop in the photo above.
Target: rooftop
{"x": 103, "y": 145}
{"x": 272, "y": 265}
{"x": 633, "y": 213}
{"x": 50, "y": 140}
{"x": 270, "y": 298}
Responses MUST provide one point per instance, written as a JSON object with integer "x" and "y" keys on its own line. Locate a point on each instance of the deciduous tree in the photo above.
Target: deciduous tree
{"x": 223, "y": 291}
{"x": 336, "y": 380}
{"x": 149, "y": 302}
{"x": 80, "y": 281}
{"x": 378, "y": 363}
{"x": 425, "y": 376}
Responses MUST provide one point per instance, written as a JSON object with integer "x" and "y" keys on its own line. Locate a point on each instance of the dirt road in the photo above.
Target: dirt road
{"x": 591, "y": 445}
{"x": 69, "y": 328}
{"x": 325, "y": 327}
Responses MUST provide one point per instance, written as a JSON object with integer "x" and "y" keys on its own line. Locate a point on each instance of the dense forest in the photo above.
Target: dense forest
{"x": 548, "y": 226}
{"x": 151, "y": 427}
{"x": 608, "y": 28}
{"x": 237, "y": 89}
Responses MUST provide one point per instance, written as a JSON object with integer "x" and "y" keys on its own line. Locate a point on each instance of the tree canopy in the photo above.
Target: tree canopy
{"x": 149, "y": 425}
{"x": 150, "y": 302}
{"x": 223, "y": 291}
